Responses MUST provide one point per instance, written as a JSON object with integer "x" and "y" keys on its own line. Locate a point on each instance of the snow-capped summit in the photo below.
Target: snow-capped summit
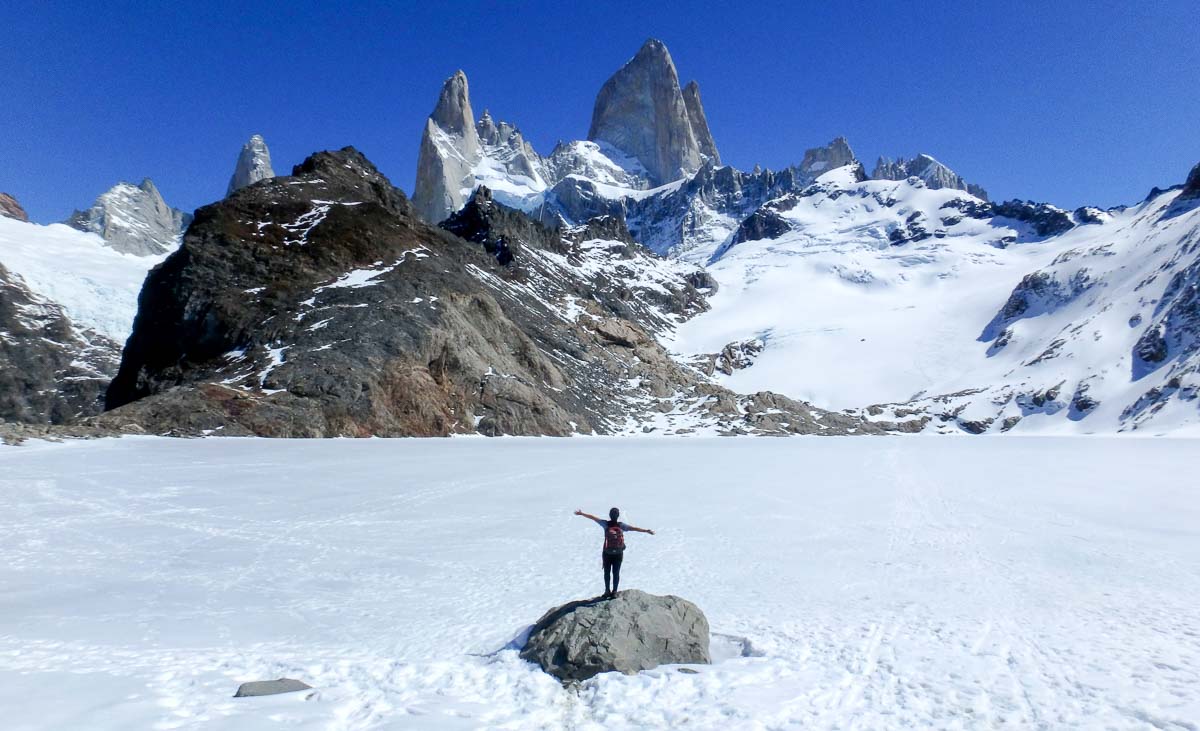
{"x": 449, "y": 152}
{"x": 253, "y": 165}
{"x": 133, "y": 219}
{"x": 935, "y": 174}
{"x": 642, "y": 111}
{"x": 10, "y": 208}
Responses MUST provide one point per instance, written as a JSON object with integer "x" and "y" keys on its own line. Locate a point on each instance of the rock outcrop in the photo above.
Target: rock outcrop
{"x": 51, "y": 370}
{"x": 641, "y": 111}
{"x": 319, "y": 305}
{"x": 253, "y": 165}
{"x": 820, "y": 160}
{"x": 935, "y": 174}
{"x": 10, "y": 208}
{"x": 133, "y": 219}
{"x": 633, "y": 632}
{"x": 1191, "y": 188}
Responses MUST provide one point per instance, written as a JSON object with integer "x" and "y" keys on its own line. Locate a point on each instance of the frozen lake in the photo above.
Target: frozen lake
{"x": 925, "y": 582}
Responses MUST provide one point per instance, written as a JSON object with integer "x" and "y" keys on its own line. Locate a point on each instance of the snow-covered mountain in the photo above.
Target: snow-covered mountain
{"x": 67, "y": 303}
{"x": 905, "y": 287}
{"x": 976, "y": 316}
{"x": 133, "y": 219}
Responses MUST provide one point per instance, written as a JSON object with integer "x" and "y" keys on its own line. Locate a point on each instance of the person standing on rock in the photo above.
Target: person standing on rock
{"x": 614, "y": 546}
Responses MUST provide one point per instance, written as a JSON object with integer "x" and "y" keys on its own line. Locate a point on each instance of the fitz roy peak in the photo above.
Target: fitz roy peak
{"x": 641, "y": 111}
{"x": 253, "y": 165}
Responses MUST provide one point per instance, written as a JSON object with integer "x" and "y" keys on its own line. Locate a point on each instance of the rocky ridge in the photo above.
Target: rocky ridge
{"x": 926, "y": 168}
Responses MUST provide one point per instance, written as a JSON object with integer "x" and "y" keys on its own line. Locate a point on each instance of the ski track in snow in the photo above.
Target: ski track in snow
{"x": 919, "y": 582}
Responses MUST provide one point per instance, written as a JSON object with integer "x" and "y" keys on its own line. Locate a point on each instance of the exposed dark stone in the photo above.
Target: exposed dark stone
{"x": 1191, "y": 189}
{"x": 51, "y": 370}
{"x": 270, "y": 687}
{"x": 634, "y": 631}
{"x": 1045, "y": 219}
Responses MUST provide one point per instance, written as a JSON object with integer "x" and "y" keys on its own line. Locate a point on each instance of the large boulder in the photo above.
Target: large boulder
{"x": 632, "y": 632}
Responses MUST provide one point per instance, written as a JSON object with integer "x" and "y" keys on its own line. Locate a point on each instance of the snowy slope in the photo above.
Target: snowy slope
{"x": 903, "y": 583}
{"x": 884, "y": 291}
{"x": 96, "y": 285}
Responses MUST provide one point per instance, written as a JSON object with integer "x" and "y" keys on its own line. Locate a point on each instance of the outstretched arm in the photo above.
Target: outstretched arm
{"x": 589, "y": 516}
{"x": 640, "y": 530}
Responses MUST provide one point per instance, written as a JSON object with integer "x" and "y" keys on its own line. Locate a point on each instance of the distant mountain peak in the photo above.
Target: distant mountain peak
{"x": 927, "y": 168}
{"x": 642, "y": 112}
{"x": 253, "y": 165}
{"x": 133, "y": 219}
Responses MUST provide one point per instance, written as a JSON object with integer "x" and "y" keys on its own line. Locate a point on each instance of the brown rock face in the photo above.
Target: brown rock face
{"x": 10, "y": 208}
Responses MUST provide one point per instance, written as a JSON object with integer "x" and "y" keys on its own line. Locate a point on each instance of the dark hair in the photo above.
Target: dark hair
{"x": 613, "y": 515}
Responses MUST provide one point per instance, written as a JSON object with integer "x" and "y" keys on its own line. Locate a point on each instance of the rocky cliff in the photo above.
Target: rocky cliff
{"x": 641, "y": 111}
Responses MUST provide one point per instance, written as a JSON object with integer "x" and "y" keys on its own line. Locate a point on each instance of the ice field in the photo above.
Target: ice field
{"x": 851, "y": 583}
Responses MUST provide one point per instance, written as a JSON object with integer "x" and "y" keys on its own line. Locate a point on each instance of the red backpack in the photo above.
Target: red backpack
{"x": 614, "y": 538}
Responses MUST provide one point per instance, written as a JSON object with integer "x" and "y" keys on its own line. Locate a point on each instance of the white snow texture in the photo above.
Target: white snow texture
{"x": 869, "y": 583}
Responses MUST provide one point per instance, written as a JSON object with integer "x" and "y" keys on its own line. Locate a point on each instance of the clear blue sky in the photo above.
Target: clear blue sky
{"x": 1068, "y": 102}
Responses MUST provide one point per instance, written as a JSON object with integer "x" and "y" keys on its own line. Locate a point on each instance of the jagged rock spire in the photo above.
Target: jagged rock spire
{"x": 253, "y": 165}
{"x": 695, "y": 110}
{"x": 449, "y": 151}
{"x": 641, "y": 111}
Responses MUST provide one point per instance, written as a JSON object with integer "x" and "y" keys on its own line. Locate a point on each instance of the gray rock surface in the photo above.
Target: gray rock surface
{"x": 935, "y": 174}
{"x": 133, "y": 219}
{"x": 450, "y": 148}
{"x": 820, "y": 160}
{"x": 270, "y": 687}
{"x": 635, "y": 631}
{"x": 641, "y": 111}
{"x": 253, "y": 165}
{"x": 10, "y": 208}
{"x": 695, "y": 110}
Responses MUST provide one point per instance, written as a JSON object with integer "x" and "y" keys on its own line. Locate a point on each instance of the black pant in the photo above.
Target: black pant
{"x": 612, "y": 563}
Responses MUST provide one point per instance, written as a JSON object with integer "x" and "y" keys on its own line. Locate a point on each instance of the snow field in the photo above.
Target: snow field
{"x": 919, "y": 582}
{"x": 95, "y": 285}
